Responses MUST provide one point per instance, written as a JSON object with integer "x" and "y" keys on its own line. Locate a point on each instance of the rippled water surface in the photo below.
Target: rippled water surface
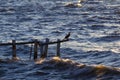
{"x": 92, "y": 53}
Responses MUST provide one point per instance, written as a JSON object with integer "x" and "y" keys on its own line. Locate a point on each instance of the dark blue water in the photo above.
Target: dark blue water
{"x": 93, "y": 52}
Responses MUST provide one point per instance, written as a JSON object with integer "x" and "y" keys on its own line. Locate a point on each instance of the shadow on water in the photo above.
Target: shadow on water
{"x": 108, "y": 38}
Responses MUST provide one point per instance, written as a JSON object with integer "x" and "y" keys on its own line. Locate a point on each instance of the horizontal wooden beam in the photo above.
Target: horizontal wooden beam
{"x": 17, "y": 43}
{"x": 31, "y": 42}
{"x": 54, "y": 42}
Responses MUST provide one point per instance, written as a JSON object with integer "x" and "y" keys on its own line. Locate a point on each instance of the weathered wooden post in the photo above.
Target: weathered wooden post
{"x": 41, "y": 50}
{"x": 35, "y": 49}
{"x": 31, "y": 50}
{"x": 46, "y": 48}
{"x": 58, "y": 48}
{"x": 13, "y": 49}
{"x": 14, "y": 56}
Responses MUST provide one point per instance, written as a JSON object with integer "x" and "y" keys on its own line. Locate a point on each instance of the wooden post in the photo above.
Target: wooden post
{"x": 41, "y": 50}
{"x": 46, "y": 48}
{"x": 58, "y": 48}
{"x": 31, "y": 50}
{"x": 13, "y": 49}
{"x": 35, "y": 49}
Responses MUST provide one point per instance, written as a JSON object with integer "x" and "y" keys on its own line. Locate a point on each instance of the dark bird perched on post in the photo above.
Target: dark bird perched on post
{"x": 67, "y": 36}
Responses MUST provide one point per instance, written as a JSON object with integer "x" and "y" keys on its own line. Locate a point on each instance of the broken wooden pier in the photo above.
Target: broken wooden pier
{"x": 36, "y": 43}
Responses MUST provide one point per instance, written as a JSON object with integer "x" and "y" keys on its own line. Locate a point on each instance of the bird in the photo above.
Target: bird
{"x": 67, "y": 36}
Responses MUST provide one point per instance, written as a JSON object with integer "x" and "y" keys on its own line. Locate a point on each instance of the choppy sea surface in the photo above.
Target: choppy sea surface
{"x": 92, "y": 53}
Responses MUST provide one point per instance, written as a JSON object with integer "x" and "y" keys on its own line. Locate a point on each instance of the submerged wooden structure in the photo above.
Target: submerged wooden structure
{"x": 36, "y": 43}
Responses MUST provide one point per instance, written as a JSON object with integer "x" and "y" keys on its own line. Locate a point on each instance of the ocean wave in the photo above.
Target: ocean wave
{"x": 109, "y": 38}
{"x": 66, "y": 68}
{"x": 74, "y": 69}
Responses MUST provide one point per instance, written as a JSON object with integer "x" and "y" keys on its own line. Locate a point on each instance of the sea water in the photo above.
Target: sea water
{"x": 92, "y": 52}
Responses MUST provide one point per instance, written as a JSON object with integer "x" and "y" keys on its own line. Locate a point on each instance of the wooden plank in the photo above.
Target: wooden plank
{"x": 18, "y": 43}
{"x": 54, "y": 42}
{"x": 30, "y": 42}
{"x": 31, "y": 50}
{"x": 42, "y": 51}
{"x": 58, "y": 48}
{"x": 35, "y": 49}
{"x": 46, "y": 48}
{"x": 13, "y": 49}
